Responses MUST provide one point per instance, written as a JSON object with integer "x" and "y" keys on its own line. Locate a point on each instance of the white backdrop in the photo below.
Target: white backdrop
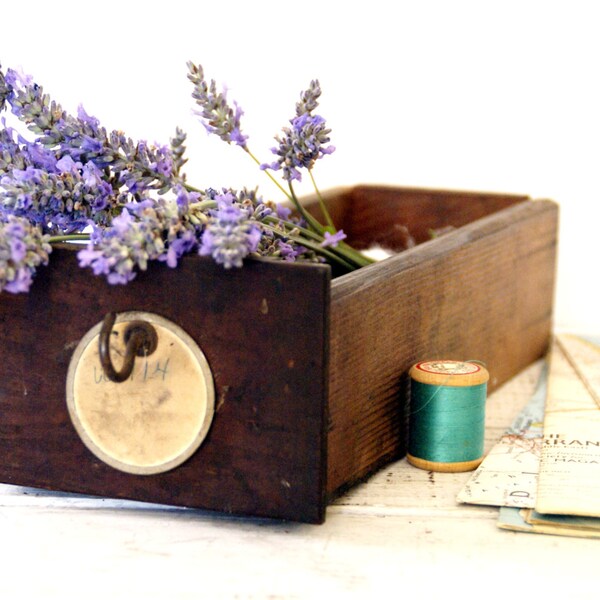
{"x": 494, "y": 96}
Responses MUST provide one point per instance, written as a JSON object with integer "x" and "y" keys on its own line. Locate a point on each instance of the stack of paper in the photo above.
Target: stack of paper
{"x": 547, "y": 479}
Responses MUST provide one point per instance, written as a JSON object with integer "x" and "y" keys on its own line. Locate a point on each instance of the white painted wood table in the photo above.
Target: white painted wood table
{"x": 400, "y": 534}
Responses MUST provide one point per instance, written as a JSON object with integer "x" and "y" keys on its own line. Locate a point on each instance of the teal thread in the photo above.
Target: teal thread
{"x": 447, "y": 423}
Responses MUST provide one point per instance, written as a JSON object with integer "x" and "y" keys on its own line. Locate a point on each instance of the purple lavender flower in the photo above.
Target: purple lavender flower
{"x": 304, "y": 142}
{"x": 178, "y": 247}
{"x": 29, "y": 103}
{"x": 60, "y": 198}
{"x": 309, "y": 98}
{"x": 75, "y": 174}
{"x": 5, "y": 90}
{"x": 184, "y": 197}
{"x": 283, "y": 212}
{"x": 289, "y": 252}
{"x": 118, "y": 250}
{"x": 218, "y": 116}
{"x": 87, "y": 119}
{"x": 16, "y": 78}
{"x": 74, "y": 171}
{"x": 140, "y": 166}
{"x": 178, "y": 151}
{"x": 163, "y": 229}
{"x": 181, "y": 227}
{"x": 23, "y": 248}
{"x": 333, "y": 239}
{"x": 37, "y": 156}
{"x": 230, "y": 236}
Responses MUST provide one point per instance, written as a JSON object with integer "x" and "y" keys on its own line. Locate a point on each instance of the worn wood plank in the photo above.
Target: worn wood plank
{"x": 482, "y": 292}
{"x": 159, "y": 555}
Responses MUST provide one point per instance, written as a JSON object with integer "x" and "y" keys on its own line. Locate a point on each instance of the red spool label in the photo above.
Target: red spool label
{"x": 448, "y": 367}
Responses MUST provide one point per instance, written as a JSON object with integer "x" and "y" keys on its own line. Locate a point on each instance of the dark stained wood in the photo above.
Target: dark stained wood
{"x": 309, "y": 394}
{"x": 265, "y": 453}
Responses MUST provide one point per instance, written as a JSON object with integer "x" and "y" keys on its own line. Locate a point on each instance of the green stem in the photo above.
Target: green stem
{"x": 356, "y": 256}
{"x": 289, "y": 225}
{"x": 203, "y": 205}
{"x": 268, "y": 173}
{"x": 191, "y": 188}
{"x": 342, "y": 253}
{"x": 291, "y": 196}
{"x": 324, "y": 210}
{"x": 306, "y": 215}
{"x": 313, "y": 246}
{"x": 348, "y": 255}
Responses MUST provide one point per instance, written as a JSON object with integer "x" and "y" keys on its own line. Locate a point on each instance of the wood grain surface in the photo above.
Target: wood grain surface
{"x": 263, "y": 330}
{"x": 482, "y": 292}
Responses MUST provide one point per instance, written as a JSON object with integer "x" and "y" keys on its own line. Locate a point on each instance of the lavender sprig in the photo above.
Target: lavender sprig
{"x": 5, "y": 90}
{"x": 309, "y": 99}
{"x": 23, "y": 248}
{"x": 177, "y": 152}
{"x": 219, "y": 117}
{"x": 230, "y": 235}
{"x": 300, "y": 146}
{"x": 61, "y": 198}
{"x": 11, "y": 156}
{"x": 117, "y": 251}
{"x": 163, "y": 230}
{"x": 75, "y": 177}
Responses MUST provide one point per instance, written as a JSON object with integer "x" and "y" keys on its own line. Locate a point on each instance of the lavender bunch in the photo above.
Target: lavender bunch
{"x": 139, "y": 166}
{"x": 70, "y": 179}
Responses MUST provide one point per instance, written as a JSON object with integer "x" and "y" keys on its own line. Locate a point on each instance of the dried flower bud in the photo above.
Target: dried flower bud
{"x": 218, "y": 116}
{"x": 23, "y": 248}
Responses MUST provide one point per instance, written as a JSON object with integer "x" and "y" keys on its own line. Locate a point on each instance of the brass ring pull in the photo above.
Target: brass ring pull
{"x": 140, "y": 340}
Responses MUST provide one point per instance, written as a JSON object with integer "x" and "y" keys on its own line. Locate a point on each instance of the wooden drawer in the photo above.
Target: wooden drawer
{"x": 308, "y": 369}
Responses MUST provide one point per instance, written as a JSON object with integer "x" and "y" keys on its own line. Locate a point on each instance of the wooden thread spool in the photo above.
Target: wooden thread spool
{"x": 447, "y": 415}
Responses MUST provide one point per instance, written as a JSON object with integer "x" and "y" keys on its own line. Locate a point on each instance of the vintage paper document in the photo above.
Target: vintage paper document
{"x": 530, "y": 521}
{"x": 569, "y": 477}
{"x": 508, "y": 474}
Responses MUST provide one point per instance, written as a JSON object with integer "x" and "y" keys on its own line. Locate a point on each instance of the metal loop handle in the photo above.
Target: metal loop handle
{"x": 140, "y": 340}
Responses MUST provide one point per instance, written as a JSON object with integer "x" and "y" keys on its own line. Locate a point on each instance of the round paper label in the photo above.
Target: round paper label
{"x": 159, "y": 416}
